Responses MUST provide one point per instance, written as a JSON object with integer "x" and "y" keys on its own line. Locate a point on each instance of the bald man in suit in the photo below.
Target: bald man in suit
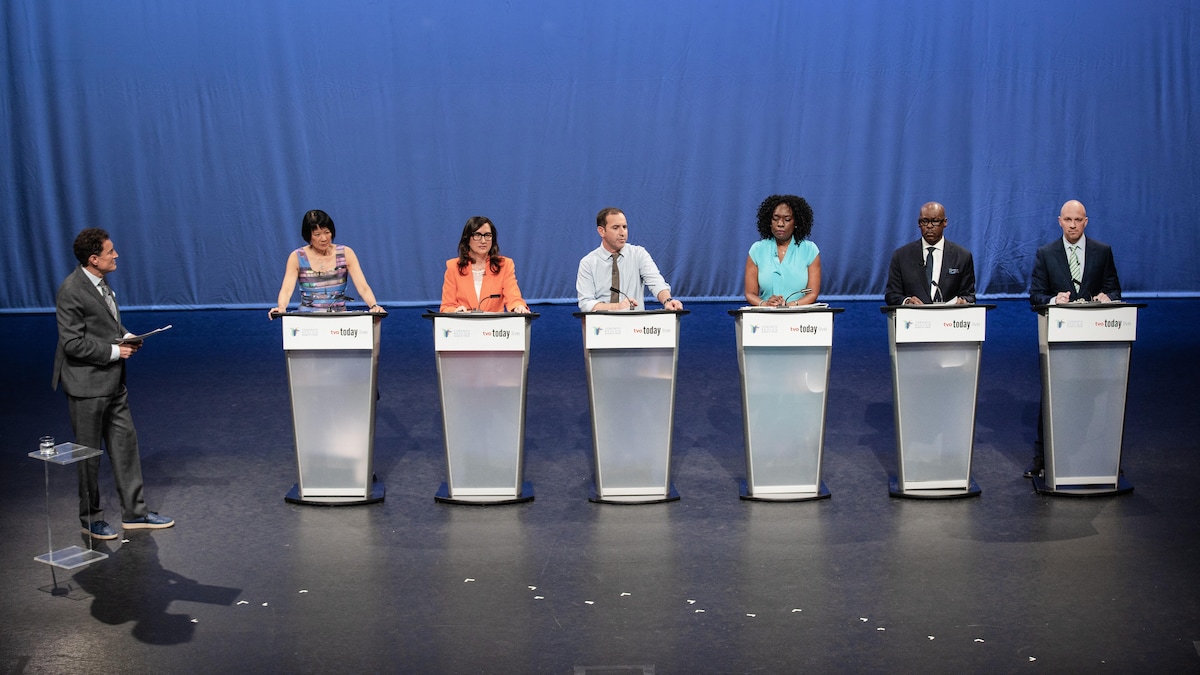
{"x": 1054, "y": 282}
{"x": 89, "y": 362}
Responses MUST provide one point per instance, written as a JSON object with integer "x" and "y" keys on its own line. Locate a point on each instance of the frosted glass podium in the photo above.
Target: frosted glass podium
{"x": 332, "y": 363}
{"x": 483, "y": 366}
{"x": 1084, "y": 349}
{"x": 935, "y": 353}
{"x": 631, "y": 357}
{"x": 783, "y": 357}
{"x": 70, "y": 557}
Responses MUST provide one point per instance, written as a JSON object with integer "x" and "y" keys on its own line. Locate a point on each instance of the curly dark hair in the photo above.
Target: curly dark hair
{"x": 801, "y": 211}
{"x": 464, "y": 245}
{"x": 316, "y": 219}
{"x": 88, "y": 243}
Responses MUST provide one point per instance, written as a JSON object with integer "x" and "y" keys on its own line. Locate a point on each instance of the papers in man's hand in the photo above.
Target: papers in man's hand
{"x": 143, "y": 336}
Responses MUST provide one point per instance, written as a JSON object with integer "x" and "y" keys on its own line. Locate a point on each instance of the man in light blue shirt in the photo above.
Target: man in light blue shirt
{"x": 601, "y": 286}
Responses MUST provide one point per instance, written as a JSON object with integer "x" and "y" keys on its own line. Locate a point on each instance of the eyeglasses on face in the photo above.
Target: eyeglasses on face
{"x": 482, "y": 236}
{"x": 927, "y": 222}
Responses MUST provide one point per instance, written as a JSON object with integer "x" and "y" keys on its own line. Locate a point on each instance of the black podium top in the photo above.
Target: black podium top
{"x": 802, "y": 309}
{"x": 329, "y": 314}
{"x": 1089, "y": 305}
{"x": 891, "y": 308}
{"x": 431, "y": 315}
{"x": 632, "y": 312}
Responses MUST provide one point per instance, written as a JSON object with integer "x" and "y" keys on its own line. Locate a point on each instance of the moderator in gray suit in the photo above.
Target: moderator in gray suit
{"x": 96, "y": 395}
{"x": 906, "y": 275}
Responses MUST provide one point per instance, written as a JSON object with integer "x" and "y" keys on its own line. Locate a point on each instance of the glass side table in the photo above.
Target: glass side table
{"x": 70, "y": 557}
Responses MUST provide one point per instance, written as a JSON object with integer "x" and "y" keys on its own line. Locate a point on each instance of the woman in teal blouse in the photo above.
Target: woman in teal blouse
{"x": 784, "y": 267}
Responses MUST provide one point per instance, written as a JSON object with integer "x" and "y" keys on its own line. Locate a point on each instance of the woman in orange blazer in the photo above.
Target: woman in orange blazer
{"x": 480, "y": 279}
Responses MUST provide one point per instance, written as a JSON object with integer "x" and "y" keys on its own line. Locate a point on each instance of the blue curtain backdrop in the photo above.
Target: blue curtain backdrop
{"x": 198, "y": 133}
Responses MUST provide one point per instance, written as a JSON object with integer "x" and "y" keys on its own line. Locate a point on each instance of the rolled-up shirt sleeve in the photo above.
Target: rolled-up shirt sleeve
{"x": 651, "y": 277}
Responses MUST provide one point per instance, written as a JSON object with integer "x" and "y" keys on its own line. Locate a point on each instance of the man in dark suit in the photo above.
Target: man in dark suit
{"x": 1053, "y": 280}
{"x": 931, "y": 269}
{"x": 1070, "y": 269}
{"x": 90, "y": 364}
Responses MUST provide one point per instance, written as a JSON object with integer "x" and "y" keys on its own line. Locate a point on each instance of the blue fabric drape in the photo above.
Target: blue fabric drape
{"x": 199, "y": 133}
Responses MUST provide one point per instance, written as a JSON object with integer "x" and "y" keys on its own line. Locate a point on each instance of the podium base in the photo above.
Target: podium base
{"x": 671, "y": 496}
{"x": 972, "y": 490}
{"x": 443, "y": 497}
{"x": 377, "y": 494}
{"x": 71, "y": 557}
{"x": 1122, "y": 487}
{"x": 66, "y": 590}
{"x": 821, "y": 493}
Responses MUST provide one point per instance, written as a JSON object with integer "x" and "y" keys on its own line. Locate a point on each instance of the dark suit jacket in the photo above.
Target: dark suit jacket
{"x": 86, "y": 331}
{"x": 1052, "y": 273}
{"x": 906, "y": 276}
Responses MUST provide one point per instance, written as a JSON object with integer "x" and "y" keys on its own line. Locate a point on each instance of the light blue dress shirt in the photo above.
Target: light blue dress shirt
{"x": 637, "y": 270}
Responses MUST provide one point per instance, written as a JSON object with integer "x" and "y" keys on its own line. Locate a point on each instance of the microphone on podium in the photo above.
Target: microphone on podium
{"x": 346, "y": 298}
{"x": 802, "y": 292}
{"x": 614, "y": 289}
{"x": 478, "y": 308}
{"x": 1079, "y": 291}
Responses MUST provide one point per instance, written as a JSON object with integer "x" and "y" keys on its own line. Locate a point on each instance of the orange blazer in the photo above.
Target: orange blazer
{"x": 459, "y": 289}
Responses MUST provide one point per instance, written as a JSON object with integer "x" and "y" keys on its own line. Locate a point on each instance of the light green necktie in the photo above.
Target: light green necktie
{"x": 1073, "y": 259}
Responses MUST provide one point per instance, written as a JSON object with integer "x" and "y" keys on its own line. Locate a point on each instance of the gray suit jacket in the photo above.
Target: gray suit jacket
{"x": 86, "y": 331}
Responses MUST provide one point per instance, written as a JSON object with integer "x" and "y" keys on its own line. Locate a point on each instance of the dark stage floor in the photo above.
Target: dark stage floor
{"x": 1008, "y": 582}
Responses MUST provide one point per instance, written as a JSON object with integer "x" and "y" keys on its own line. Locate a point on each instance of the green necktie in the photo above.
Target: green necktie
{"x": 1074, "y": 262}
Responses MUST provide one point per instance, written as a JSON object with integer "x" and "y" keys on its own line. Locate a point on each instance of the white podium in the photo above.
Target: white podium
{"x": 483, "y": 366}
{"x": 332, "y": 364}
{"x": 1084, "y": 350}
{"x": 631, "y": 358}
{"x": 783, "y": 356}
{"x": 935, "y": 384}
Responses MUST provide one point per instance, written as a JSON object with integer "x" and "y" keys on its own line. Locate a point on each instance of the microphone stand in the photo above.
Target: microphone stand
{"x": 802, "y": 292}
{"x": 614, "y": 289}
{"x": 478, "y": 308}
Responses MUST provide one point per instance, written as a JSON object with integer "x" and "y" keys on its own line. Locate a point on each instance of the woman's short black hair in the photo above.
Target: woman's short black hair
{"x": 464, "y": 245}
{"x": 316, "y": 219}
{"x": 801, "y": 212}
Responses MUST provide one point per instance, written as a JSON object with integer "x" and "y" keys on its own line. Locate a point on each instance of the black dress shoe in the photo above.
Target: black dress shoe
{"x": 1035, "y": 467}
